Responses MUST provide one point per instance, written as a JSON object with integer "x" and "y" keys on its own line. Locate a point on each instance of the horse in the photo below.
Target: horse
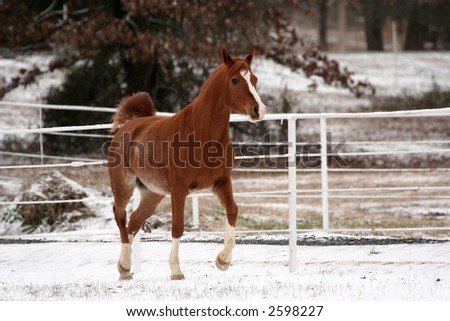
{"x": 178, "y": 155}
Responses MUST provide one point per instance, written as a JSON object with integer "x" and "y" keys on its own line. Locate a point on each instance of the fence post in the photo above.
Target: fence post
{"x": 137, "y": 237}
{"x": 41, "y": 140}
{"x": 292, "y": 175}
{"x": 324, "y": 172}
{"x": 195, "y": 212}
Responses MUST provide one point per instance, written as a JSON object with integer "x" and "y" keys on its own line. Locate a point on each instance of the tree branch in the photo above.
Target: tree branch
{"x": 131, "y": 22}
{"x": 46, "y": 11}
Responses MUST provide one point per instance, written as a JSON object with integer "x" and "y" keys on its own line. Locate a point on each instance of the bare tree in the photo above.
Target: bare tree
{"x": 342, "y": 24}
{"x": 323, "y": 18}
{"x": 373, "y": 24}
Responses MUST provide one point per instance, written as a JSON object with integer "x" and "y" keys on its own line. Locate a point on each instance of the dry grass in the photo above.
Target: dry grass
{"x": 265, "y": 213}
{"x": 367, "y": 212}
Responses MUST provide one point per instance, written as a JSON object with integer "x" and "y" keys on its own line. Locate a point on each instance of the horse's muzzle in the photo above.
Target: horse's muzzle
{"x": 257, "y": 113}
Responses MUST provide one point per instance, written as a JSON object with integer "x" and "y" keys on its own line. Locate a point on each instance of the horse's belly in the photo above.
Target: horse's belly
{"x": 156, "y": 184}
{"x": 157, "y": 188}
{"x": 206, "y": 180}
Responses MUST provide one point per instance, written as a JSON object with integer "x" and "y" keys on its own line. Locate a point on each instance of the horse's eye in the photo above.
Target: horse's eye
{"x": 234, "y": 81}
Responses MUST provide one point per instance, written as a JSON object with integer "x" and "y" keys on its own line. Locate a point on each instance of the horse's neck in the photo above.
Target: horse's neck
{"x": 209, "y": 116}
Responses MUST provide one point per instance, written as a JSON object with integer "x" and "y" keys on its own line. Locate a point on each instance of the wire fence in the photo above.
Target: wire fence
{"x": 292, "y": 192}
{"x": 82, "y": 162}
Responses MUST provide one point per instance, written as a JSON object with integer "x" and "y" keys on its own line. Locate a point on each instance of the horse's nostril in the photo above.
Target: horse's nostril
{"x": 256, "y": 110}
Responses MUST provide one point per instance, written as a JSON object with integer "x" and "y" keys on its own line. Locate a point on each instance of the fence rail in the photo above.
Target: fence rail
{"x": 292, "y": 193}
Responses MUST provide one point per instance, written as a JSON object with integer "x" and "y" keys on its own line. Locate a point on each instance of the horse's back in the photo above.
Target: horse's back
{"x": 134, "y": 127}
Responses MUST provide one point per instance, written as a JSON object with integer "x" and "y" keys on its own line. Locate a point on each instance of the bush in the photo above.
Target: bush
{"x": 95, "y": 84}
{"x": 49, "y": 217}
{"x": 435, "y": 98}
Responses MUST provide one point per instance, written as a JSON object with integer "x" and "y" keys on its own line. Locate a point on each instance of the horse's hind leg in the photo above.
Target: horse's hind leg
{"x": 147, "y": 206}
{"x": 178, "y": 198}
{"x": 224, "y": 192}
{"x": 122, "y": 195}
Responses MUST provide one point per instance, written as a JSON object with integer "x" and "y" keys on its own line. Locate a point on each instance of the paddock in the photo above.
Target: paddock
{"x": 82, "y": 265}
{"x": 86, "y": 271}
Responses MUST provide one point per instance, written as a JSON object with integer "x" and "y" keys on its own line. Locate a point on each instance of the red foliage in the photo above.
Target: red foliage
{"x": 191, "y": 33}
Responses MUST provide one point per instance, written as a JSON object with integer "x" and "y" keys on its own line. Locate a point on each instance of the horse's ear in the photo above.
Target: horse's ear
{"x": 226, "y": 58}
{"x": 250, "y": 56}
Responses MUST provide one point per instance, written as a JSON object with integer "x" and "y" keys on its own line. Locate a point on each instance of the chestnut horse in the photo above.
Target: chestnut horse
{"x": 174, "y": 156}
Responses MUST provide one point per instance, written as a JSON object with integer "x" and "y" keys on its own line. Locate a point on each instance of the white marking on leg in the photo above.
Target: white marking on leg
{"x": 174, "y": 260}
{"x": 261, "y": 107}
{"x": 229, "y": 243}
{"x": 125, "y": 260}
{"x": 125, "y": 256}
{"x": 136, "y": 257}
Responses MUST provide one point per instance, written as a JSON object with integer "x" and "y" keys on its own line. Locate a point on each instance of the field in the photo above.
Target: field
{"x": 77, "y": 261}
{"x": 348, "y": 210}
{"x": 86, "y": 271}
{"x": 80, "y": 265}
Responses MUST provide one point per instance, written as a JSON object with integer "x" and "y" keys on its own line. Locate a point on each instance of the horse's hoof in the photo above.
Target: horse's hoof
{"x": 125, "y": 274}
{"x": 126, "y": 277}
{"x": 177, "y": 277}
{"x": 222, "y": 265}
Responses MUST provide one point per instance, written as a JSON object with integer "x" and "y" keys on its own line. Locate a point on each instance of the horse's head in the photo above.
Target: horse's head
{"x": 240, "y": 87}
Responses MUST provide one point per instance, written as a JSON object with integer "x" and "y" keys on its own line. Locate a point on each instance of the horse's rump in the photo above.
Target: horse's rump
{"x": 134, "y": 106}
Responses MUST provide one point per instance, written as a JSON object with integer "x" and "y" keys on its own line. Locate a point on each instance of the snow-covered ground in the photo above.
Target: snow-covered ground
{"x": 14, "y": 117}
{"x": 407, "y": 72}
{"x": 390, "y": 74}
{"x": 35, "y": 92}
{"x": 87, "y": 271}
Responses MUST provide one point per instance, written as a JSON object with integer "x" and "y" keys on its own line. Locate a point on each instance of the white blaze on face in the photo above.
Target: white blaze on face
{"x": 261, "y": 107}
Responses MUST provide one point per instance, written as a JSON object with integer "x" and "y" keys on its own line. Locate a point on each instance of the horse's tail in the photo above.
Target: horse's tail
{"x": 137, "y": 105}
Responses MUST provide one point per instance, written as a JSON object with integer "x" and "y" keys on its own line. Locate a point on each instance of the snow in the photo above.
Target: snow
{"x": 396, "y": 74}
{"x": 87, "y": 271}
{"x": 35, "y": 92}
{"x": 10, "y": 185}
{"x": 405, "y": 73}
{"x": 13, "y": 117}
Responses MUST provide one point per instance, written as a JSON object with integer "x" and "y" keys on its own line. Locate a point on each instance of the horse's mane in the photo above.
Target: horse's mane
{"x": 236, "y": 65}
{"x": 141, "y": 105}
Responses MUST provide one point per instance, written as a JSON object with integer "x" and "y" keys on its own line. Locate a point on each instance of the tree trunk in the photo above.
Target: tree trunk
{"x": 342, "y": 24}
{"x": 323, "y": 14}
{"x": 373, "y": 24}
{"x": 415, "y": 31}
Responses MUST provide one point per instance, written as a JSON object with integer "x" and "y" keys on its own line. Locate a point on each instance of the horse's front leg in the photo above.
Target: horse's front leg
{"x": 178, "y": 199}
{"x": 224, "y": 191}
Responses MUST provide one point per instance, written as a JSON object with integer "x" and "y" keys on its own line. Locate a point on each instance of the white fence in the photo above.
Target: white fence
{"x": 292, "y": 193}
